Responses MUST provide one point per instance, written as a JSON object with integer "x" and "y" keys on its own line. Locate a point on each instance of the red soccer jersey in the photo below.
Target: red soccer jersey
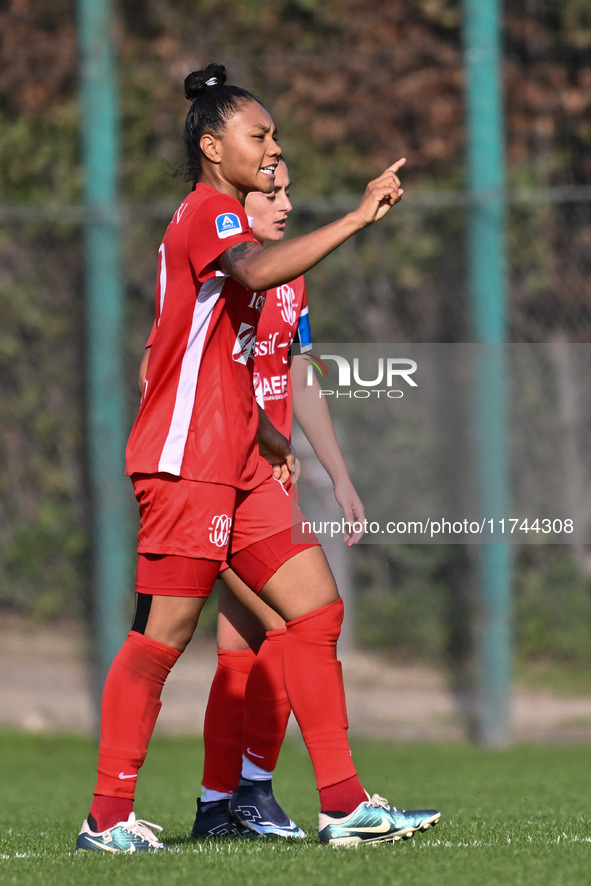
{"x": 198, "y": 417}
{"x": 284, "y": 317}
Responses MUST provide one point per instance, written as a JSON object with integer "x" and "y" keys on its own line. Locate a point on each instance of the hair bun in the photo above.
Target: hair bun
{"x": 197, "y": 82}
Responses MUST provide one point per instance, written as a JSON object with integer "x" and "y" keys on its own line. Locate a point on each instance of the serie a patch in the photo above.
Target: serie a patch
{"x": 227, "y": 224}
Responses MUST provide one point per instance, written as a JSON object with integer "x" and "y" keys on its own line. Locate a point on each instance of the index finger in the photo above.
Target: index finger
{"x": 396, "y": 166}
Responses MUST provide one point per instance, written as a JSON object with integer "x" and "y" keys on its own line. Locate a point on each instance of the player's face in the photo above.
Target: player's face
{"x": 269, "y": 211}
{"x": 248, "y": 150}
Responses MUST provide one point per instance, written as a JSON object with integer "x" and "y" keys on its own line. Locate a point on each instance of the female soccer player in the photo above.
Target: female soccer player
{"x": 205, "y": 493}
{"x": 248, "y": 709}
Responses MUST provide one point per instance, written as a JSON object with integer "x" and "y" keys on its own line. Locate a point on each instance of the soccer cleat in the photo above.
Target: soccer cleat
{"x": 254, "y": 806}
{"x": 128, "y": 836}
{"x": 374, "y": 821}
{"x": 213, "y": 820}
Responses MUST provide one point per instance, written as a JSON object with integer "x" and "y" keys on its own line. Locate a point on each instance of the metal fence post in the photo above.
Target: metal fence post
{"x": 104, "y": 311}
{"x": 486, "y": 230}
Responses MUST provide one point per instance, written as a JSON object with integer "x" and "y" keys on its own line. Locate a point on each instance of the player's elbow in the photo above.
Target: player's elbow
{"x": 255, "y": 276}
{"x": 253, "y": 280}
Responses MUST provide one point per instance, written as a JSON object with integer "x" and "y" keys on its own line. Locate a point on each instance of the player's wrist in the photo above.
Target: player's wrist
{"x": 339, "y": 476}
{"x": 356, "y": 221}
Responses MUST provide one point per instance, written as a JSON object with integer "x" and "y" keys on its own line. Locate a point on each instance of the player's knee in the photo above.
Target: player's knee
{"x": 172, "y": 620}
{"x": 322, "y": 625}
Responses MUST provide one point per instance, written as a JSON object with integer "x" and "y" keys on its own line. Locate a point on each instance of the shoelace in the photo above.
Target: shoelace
{"x": 380, "y": 803}
{"x": 141, "y": 828}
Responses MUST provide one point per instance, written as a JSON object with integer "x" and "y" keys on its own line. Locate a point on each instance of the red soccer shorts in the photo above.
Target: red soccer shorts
{"x": 203, "y": 525}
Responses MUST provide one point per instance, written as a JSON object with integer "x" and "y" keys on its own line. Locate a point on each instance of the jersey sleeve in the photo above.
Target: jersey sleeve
{"x": 219, "y": 223}
{"x": 150, "y": 341}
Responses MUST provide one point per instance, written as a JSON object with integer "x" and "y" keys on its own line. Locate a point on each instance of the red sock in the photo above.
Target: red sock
{"x": 267, "y": 707}
{"x": 130, "y": 707}
{"x": 342, "y": 797}
{"x": 107, "y": 811}
{"x": 314, "y": 683}
{"x": 222, "y": 728}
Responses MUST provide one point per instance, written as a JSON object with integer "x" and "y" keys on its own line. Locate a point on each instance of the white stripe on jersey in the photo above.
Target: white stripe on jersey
{"x": 162, "y": 279}
{"x": 171, "y": 457}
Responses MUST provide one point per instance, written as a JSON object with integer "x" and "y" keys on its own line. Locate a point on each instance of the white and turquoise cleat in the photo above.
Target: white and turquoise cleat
{"x": 374, "y": 821}
{"x": 128, "y": 837}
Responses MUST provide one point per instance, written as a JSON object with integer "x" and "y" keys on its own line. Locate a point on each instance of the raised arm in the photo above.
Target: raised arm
{"x": 259, "y": 269}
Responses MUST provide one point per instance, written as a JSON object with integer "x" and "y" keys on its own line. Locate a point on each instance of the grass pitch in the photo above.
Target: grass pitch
{"x": 519, "y": 816}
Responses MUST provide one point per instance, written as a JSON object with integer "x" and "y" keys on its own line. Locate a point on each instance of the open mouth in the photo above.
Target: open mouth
{"x": 269, "y": 170}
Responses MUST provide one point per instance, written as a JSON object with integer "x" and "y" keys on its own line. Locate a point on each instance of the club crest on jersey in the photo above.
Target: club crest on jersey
{"x": 227, "y": 224}
{"x": 219, "y": 531}
{"x": 286, "y": 301}
{"x": 245, "y": 344}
